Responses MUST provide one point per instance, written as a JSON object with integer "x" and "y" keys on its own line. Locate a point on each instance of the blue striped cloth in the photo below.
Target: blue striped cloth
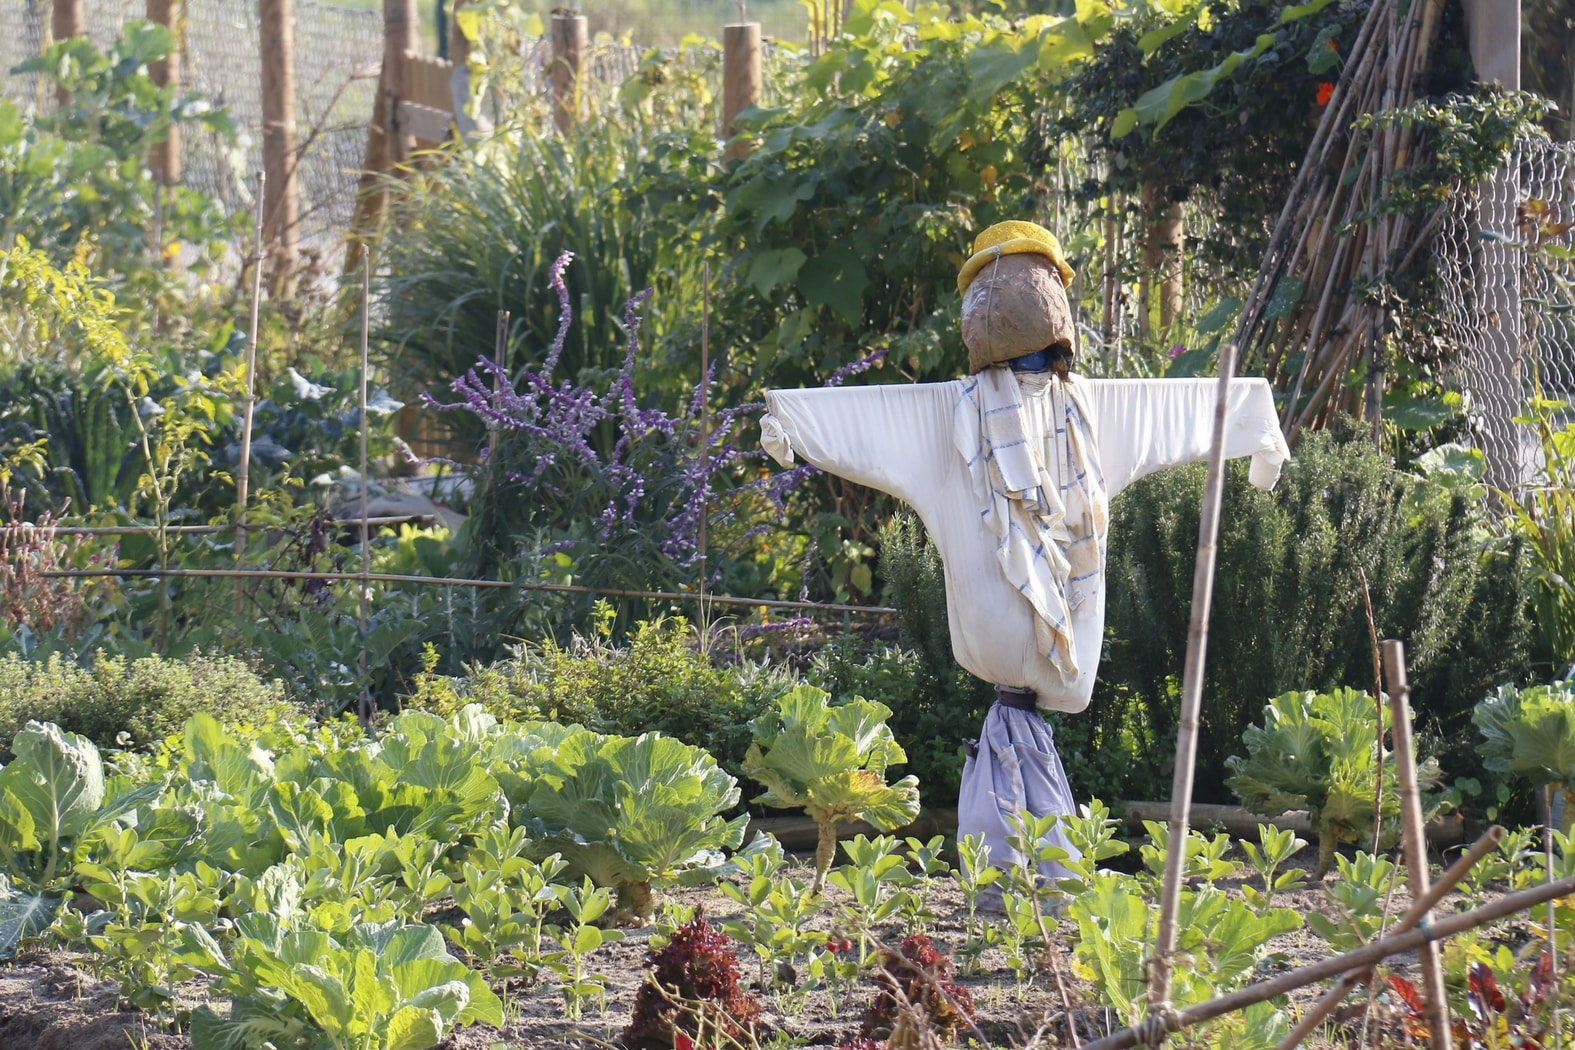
{"x": 1044, "y": 501}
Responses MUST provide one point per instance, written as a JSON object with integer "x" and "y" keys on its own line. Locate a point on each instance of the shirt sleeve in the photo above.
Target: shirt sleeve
{"x": 1146, "y": 425}
{"x": 896, "y": 438}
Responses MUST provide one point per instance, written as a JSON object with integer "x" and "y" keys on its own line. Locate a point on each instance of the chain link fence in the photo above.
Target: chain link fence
{"x": 1504, "y": 251}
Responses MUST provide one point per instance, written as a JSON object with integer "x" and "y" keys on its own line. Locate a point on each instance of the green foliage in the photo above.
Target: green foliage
{"x": 1288, "y": 608}
{"x": 50, "y": 794}
{"x": 1252, "y": 75}
{"x": 1530, "y": 733}
{"x": 1542, "y": 515}
{"x": 115, "y": 701}
{"x": 76, "y": 180}
{"x": 479, "y": 234}
{"x": 632, "y": 813}
{"x": 832, "y": 762}
{"x": 658, "y": 681}
{"x": 373, "y": 987}
{"x": 1220, "y": 947}
{"x": 1317, "y": 751}
{"x": 1469, "y": 135}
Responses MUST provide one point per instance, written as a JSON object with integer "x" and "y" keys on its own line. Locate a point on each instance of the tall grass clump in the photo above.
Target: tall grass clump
{"x": 479, "y": 234}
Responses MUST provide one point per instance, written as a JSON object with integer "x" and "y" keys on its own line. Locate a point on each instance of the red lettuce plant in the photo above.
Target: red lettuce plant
{"x": 917, "y": 998}
{"x": 692, "y": 997}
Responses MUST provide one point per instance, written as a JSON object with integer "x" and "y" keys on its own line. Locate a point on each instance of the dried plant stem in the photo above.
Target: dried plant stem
{"x": 365, "y": 587}
{"x": 249, "y": 408}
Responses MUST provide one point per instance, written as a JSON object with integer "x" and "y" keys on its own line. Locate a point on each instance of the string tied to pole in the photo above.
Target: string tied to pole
{"x": 1163, "y": 1018}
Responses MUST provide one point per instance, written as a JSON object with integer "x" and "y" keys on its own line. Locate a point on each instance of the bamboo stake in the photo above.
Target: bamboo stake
{"x": 1378, "y": 699}
{"x": 1419, "y": 909}
{"x": 1191, "y": 695}
{"x": 1362, "y": 957}
{"x": 1335, "y": 114}
{"x": 366, "y": 540}
{"x": 705, "y": 418}
{"x": 243, "y": 468}
{"x": 1415, "y": 844}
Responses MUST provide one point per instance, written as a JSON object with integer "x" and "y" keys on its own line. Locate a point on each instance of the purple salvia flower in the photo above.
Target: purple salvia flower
{"x": 853, "y": 368}
{"x": 565, "y": 310}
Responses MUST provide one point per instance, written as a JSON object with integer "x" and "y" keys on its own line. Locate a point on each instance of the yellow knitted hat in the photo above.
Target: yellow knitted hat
{"x": 1011, "y": 238}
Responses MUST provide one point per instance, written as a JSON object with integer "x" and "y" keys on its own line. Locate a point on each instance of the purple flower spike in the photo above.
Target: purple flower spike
{"x": 853, "y": 368}
{"x": 565, "y": 310}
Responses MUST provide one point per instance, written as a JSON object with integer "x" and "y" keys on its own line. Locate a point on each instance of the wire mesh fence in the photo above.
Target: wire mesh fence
{"x": 1504, "y": 252}
{"x": 337, "y": 54}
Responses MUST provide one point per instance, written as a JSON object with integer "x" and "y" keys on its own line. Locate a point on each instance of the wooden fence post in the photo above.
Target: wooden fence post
{"x": 570, "y": 41}
{"x": 164, "y": 157}
{"x": 67, "y": 22}
{"x": 740, "y": 80}
{"x": 280, "y": 210}
{"x": 459, "y": 77}
{"x": 384, "y": 140}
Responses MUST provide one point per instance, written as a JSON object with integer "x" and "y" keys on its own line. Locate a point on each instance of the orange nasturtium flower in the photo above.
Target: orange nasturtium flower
{"x": 1325, "y": 93}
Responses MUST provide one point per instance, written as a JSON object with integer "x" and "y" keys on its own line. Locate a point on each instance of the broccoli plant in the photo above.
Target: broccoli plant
{"x": 1316, "y": 751}
{"x": 830, "y": 760}
{"x": 1531, "y": 733}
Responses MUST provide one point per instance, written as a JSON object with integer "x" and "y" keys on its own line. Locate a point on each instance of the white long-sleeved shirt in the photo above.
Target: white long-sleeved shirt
{"x": 901, "y": 439}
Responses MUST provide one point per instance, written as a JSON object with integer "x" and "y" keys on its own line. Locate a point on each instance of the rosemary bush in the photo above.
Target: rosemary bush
{"x": 1288, "y": 607}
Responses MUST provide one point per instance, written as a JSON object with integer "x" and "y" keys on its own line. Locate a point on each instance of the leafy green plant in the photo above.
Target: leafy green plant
{"x": 506, "y": 897}
{"x": 1317, "y": 751}
{"x": 1222, "y": 942}
{"x": 1530, "y": 733}
{"x": 1361, "y": 896}
{"x": 633, "y": 813}
{"x": 586, "y": 905}
{"x": 877, "y": 879}
{"x": 375, "y": 987}
{"x": 1274, "y": 847}
{"x": 777, "y": 910}
{"x": 830, "y": 760}
{"x": 75, "y": 177}
{"x": 51, "y": 797}
{"x": 119, "y": 701}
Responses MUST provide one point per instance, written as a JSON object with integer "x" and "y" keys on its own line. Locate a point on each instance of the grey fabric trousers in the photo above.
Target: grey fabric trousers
{"x": 1013, "y": 767}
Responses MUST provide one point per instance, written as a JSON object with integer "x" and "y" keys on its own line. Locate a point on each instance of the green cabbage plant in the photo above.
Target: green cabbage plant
{"x": 1316, "y": 751}
{"x": 1531, "y": 733}
{"x": 633, "y": 813}
{"x": 52, "y": 798}
{"x": 830, "y": 760}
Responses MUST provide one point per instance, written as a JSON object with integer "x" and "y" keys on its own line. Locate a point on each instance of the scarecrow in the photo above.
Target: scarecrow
{"x": 1012, "y": 470}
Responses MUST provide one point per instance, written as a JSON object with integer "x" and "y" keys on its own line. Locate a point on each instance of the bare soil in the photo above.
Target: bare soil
{"x": 49, "y": 1002}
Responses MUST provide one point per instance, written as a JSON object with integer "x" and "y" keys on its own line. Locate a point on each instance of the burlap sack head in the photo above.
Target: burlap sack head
{"x": 1013, "y": 306}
